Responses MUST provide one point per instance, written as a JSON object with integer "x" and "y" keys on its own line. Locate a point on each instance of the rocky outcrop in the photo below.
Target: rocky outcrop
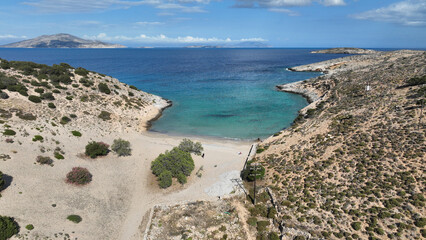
{"x": 61, "y": 40}
{"x": 346, "y": 51}
{"x": 299, "y": 88}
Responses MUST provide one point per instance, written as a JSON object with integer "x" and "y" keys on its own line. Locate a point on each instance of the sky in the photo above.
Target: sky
{"x": 275, "y": 23}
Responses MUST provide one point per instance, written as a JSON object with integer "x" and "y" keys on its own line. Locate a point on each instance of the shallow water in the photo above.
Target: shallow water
{"x": 227, "y": 93}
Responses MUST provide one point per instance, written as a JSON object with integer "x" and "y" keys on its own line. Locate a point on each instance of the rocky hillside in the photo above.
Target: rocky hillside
{"x": 353, "y": 164}
{"x": 346, "y": 50}
{"x": 61, "y": 40}
{"x": 61, "y": 94}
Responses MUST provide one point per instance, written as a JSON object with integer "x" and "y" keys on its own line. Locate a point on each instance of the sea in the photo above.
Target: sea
{"x": 220, "y": 93}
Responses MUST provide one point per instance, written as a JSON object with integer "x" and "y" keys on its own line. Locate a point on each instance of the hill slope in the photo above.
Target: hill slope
{"x": 353, "y": 163}
{"x": 61, "y": 40}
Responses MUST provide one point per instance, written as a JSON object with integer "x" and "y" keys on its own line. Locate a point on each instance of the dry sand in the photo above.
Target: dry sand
{"x": 122, "y": 191}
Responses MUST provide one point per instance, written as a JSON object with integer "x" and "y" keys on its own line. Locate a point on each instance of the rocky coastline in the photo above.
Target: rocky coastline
{"x": 346, "y": 50}
{"x": 301, "y": 89}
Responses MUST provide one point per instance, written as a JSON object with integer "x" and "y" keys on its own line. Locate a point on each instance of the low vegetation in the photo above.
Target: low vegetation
{"x": 121, "y": 147}
{"x": 34, "y": 99}
{"x": 9, "y": 132}
{"x": 79, "y": 176}
{"x": 76, "y": 133}
{"x": 8, "y": 227}
{"x": 38, "y": 138}
{"x": 175, "y": 163}
{"x": 65, "y": 120}
{"x": 2, "y": 182}
{"x": 104, "y": 88}
{"x": 191, "y": 147}
{"x": 351, "y": 167}
{"x": 96, "y": 149}
{"x": 74, "y": 218}
{"x": 44, "y": 160}
{"x": 104, "y": 115}
{"x": 29, "y": 227}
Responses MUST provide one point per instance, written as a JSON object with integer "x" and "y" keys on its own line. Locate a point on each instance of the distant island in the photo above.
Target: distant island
{"x": 346, "y": 50}
{"x": 61, "y": 40}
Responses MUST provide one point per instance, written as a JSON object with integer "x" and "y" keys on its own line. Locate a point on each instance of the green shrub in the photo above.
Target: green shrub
{"x": 261, "y": 225}
{"x": 252, "y": 221}
{"x": 48, "y": 96}
{"x": 260, "y": 150}
{"x": 86, "y": 82}
{"x": 191, "y": 147}
{"x": 26, "y": 116}
{"x": 2, "y": 182}
{"x": 299, "y": 238}
{"x": 51, "y": 105}
{"x": 176, "y": 161}
{"x": 81, "y": 71}
{"x": 74, "y": 218}
{"x": 76, "y": 133}
{"x": 271, "y": 212}
{"x": 9, "y": 132}
{"x": 44, "y": 160}
{"x": 181, "y": 178}
{"x": 121, "y": 147}
{"x": 65, "y": 120}
{"x": 34, "y": 99}
{"x": 29, "y": 227}
{"x": 39, "y": 90}
{"x": 58, "y": 155}
{"x": 133, "y": 87}
{"x": 273, "y": 236}
{"x": 8, "y": 227}
{"x": 95, "y": 149}
{"x": 79, "y": 176}
{"x": 104, "y": 115}
{"x": 420, "y": 222}
{"x": 259, "y": 210}
{"x": 104, "y": 88}
{"x": 165, "y": 179}
{"x": 250, "y": 172}
{"x": 38, "y": 138}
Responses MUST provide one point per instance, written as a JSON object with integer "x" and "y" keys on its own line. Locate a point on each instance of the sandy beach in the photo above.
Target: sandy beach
{"x": 123, "y": 188}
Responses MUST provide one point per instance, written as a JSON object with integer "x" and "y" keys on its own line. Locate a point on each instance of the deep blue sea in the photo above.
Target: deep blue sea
{"x": 227, "y": 93}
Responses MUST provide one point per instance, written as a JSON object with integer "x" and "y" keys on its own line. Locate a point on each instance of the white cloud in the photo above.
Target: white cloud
{"x": 148, "y": 23}
{"x": 59, "y": 6}
{"x": 284, "y": 10}
{"x": 409, "y": 13}
{"x": 10, "y": 36}
{"x": 285, "y": 3}
{"x": 163, "y": 39}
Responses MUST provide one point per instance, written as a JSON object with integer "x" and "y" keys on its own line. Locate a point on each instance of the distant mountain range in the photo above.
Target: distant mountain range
{"x": 61, "y": 40}
{"x": 238, "y": 45}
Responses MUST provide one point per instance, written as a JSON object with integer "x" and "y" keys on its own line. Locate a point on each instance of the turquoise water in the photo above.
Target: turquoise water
{"x": 227, "y": 93}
